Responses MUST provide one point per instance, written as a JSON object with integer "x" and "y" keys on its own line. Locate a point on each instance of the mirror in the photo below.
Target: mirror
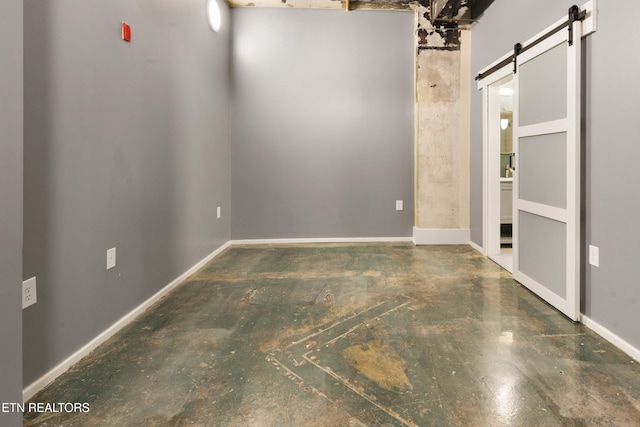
{"x": 506, "y": 130}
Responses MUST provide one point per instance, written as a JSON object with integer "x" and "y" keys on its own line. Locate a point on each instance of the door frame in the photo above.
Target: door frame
{"x": 491, "y": 156}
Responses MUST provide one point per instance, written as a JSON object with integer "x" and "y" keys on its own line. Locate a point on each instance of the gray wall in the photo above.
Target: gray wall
{"x": 127, "y": 145}
{"x": 10, "y": 207}
{"x": 612, "y": 201}
{"x": 323, "y": 123}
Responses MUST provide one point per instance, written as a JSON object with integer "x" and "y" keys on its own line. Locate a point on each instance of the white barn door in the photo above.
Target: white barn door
{"x": 546, "y": 215}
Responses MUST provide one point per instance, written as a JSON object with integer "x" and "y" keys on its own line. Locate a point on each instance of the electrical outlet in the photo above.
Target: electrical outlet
{"x": 594, "y": 256}
{"x": 399, "y": 205}
{"x": 29, "y": 296}
{"x": 111, "y": 258}
{"x": 219, "y": 212}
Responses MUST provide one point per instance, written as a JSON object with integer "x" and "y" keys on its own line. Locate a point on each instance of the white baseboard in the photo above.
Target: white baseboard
{"x": 477, "y": 247}
{"x": 430, "y": 236}
{"x": 611, "y": 337}
{"x": 321, "y": 240}
{"x": 47, "y": 378}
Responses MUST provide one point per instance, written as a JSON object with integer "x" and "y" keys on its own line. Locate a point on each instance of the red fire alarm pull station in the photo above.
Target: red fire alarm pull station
{"x": 126, "y": 32}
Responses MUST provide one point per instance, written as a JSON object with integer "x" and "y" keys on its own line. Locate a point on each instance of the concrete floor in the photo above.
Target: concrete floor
{"x": 350, "y": 335}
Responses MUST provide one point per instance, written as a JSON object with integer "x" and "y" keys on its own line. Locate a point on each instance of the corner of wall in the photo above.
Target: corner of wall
{"x": 11, "y": 194}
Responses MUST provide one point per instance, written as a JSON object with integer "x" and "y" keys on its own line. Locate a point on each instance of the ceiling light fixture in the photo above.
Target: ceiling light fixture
{"x": 506, "y": 91}
{"x": 213, "y": 15}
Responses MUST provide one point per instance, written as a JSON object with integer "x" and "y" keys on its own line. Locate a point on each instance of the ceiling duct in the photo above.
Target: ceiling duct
{"x": 458, "y": 11}
{"x": 436, "y": 8}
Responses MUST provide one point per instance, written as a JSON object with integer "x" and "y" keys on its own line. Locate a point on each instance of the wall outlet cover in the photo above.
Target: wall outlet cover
{"x": 29, "y": 295}
{"x": 594, "y": 256}
{"x": 399, "y": 205}
{"x": 111, "y": 258}
{"x": 218, "y": 212}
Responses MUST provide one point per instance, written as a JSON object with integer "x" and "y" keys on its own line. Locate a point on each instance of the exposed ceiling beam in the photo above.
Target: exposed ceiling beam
{"x": 478, "y": 7}
{"x": 445, "y": 9}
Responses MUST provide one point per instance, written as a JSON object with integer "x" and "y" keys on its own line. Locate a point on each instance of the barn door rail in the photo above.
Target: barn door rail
{"x": 574, "y": 14}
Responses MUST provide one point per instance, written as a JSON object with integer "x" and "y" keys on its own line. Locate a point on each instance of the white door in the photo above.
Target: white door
{"x": 546, "y": 214}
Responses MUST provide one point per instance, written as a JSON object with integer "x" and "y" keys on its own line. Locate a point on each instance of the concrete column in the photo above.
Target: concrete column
{"x": 442, "y": 135}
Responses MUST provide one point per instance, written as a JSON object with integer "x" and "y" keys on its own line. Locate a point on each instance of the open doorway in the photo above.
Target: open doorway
{"x": 507, "y": 164}
{"x": 499, "y": 165}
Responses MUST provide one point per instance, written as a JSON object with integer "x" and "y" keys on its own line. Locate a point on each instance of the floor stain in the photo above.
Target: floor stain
{"x": 380, "y": 363}
{"x": 247, "y": 299}
{"x": 328, "y": 297}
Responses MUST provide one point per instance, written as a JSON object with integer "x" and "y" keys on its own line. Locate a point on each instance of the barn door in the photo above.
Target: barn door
{"x": 546, "y": 213}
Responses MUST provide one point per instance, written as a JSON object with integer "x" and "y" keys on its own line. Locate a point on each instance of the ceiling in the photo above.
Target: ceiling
{"x": 440, "y": 11}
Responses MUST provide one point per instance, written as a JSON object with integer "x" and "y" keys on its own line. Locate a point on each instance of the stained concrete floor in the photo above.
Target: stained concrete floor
{"x": 350, "y": 335}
